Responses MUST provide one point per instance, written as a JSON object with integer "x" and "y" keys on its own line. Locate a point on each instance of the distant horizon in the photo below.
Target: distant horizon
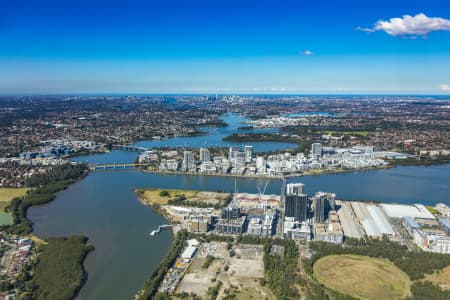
{"x": 218, "y": 94}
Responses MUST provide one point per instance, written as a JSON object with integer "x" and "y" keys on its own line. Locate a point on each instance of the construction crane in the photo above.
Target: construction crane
{"x": 262, "y": 193}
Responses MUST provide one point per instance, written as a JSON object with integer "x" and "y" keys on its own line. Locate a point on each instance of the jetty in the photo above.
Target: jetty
{"x": 156, "y": 231}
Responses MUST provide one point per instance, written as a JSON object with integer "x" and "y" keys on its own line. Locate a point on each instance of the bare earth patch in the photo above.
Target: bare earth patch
{"x": 441, "y": 277}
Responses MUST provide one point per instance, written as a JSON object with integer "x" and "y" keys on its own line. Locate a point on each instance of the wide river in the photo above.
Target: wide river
{"x": 103, "y": 207}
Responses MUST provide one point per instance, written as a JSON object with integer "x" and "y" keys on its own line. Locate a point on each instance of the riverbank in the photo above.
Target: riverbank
{"x": 421, "y": 161}
{"x": 158, "y": 199}
{"x": 158, "y": 208}
{"x": 59, "y": 272}
{"x": 159, "y": 196}
{"x": 214, "y": 174}
{"x": 86, "y": 152}
{"x": 151, "y": 286}
{"x": 338, "y": 171}
{"x": 314, "y": 172}
{"x": 43, "y": 190}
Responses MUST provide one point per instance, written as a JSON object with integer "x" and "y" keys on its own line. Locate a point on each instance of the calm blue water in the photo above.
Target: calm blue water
{"x": 215, "y": 136}
{"x": 104, "y": 207}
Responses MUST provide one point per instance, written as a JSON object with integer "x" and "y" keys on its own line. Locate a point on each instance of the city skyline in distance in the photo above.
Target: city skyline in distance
{"x": 242, "y": 47}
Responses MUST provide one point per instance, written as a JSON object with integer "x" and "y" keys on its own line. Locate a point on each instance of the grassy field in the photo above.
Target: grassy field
{"x": 5, "y": 219}
{"x": 442, "y": 278}
{"x": 7, "y": 194}
{"x": 154, "y": 196}
{"x": 362, "y": 277}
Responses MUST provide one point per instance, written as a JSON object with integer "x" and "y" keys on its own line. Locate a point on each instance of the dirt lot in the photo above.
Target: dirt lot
{"x": 198, "y": 279}
{"x": 441, "y": 277}
{"x": 248, "y": 262}
{"x": 242, "y": 278}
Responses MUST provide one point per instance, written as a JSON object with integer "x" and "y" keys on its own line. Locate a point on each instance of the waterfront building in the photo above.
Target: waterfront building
{"x": 295, "y": 188}
{"x": 316, "y": 150}
{"x": 169, "y": 165}
{"x": 248, "y": 153}
{"x": 238, "y": 158}
{"x": 365, "y": 149}
{"x": 208, "y": 167}
{"x": 296, "y": 203}
{"x": 188, "y": 161}
{"x": 233, "y": 152}
{"x": 328, "y": 151}
{"x": 323, "y": 203}
{"x": 260, "y": 164}
{"x": 296, "y": 206}
{"x": 204, "y": 155}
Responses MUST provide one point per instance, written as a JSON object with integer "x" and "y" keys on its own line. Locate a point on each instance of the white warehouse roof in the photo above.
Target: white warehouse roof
{"x": 380, "y": 220}
{"x": 400, "y": 211}
{"x": 189, "y": 252}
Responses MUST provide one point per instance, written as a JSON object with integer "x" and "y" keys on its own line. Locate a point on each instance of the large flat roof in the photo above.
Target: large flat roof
{"x": 189, "y": 252}
{"x": 401, "y": 211}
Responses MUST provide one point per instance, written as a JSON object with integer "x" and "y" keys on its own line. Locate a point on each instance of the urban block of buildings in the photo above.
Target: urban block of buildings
{"x": 245, "y": 162}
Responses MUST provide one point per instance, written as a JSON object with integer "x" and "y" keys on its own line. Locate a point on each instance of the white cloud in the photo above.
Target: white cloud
{"x": 407, "y": 25}
{"x": 308, "y": 52}
{"x": 444, "y": 87}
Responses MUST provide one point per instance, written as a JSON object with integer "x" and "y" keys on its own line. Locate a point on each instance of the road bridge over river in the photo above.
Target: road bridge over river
{"x": 114, "y": 166}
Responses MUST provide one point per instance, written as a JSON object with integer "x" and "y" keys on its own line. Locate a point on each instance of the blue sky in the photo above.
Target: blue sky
{"x": 229, "y": 46}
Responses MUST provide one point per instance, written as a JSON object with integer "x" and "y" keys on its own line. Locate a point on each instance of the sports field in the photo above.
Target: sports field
{"x": 362, "y": 277}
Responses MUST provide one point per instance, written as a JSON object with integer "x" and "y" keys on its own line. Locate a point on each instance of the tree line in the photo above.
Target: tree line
{"x": 414, "y": 264}
{"x": 59, "y": 272}
{"x": 151, "y": 286}
{"x": 44, "y": 188}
